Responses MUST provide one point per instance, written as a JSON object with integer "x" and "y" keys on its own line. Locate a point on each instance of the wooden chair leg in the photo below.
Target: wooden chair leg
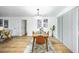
{"x": 47, "y": 44}
{"x": 33, "y": 44}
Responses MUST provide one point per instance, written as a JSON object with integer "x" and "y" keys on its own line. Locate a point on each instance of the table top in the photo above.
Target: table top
{"x": 43, "y": 34}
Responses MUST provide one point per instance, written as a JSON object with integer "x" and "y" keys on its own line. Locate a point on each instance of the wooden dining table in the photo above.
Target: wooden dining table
{"x": 45, "y": 35}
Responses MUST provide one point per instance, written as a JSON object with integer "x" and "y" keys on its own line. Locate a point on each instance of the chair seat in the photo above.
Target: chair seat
{"x": 40, "y": 39}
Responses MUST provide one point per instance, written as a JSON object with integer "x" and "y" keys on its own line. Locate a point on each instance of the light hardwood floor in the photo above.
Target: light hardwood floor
{"x": 59, "y": 46}
{"x": 19, "y": 44}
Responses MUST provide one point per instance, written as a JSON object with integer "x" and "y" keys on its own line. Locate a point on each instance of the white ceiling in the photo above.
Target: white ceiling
{"x": 16, "y": 11}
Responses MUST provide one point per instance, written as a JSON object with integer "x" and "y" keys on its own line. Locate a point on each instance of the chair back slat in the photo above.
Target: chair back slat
{"x": 40, "y": 40}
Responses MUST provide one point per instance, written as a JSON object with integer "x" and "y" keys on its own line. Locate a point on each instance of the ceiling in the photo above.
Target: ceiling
{"x": 24, "y": 11}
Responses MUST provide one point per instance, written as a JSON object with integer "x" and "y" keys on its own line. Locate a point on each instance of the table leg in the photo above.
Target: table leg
{"x": 33, "y": 43}
{"x": 47, "y": 44}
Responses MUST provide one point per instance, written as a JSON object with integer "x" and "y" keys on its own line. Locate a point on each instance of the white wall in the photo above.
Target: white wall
{"x": 32, "y": 25}
{"x": 70, "y": 29}
{"x": 14, "y": 25}
{"x": 22, "y": 27}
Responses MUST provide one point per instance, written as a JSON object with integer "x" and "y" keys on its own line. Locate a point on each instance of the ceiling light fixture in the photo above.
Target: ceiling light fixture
{"x": 38, "y": 16}
{"x": 38, "y": 12}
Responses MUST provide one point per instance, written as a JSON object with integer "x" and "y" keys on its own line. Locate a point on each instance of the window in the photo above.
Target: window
{"x": 5, "y": 23}
{"x": 1, "y": 22}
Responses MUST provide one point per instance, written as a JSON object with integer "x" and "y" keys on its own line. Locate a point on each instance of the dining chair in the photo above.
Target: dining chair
{"x": 39, "y": 40}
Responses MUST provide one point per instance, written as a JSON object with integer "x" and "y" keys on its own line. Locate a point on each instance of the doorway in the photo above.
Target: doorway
{"x": 24, "y": 27}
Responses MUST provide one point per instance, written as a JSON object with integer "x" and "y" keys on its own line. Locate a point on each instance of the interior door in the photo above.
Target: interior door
{"x": 24, "y": 27}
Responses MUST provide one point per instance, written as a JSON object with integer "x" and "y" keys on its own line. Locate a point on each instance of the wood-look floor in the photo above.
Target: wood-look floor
{"x": 19, "y": 44}
{"x": 59, "y": 46}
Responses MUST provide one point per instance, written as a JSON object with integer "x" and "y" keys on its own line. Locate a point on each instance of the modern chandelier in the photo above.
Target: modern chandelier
{"x": 38, "y": 15}
{"x": 38, "y": 12}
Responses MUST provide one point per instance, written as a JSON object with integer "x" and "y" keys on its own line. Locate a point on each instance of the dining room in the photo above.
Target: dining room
{"x": 38, "y": 29}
